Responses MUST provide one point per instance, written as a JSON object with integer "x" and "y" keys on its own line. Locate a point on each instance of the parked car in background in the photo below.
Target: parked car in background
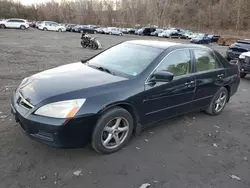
{"x": 156, "y": 32}
{"x": 75, "y": 28}
{"x": 112, "y": 31}
{"x": 69, "y": 27}
{"x": 244, "y": 64}
{"x": 213, "y": 38}
{"x": 234, "y": 50}
{"x": 166, "y": 33}
{"x": 146, "y": 31}
{"x": 86, "y": 29}
{"x": 132, "y": 30}
{"x": 201, "y": 39}
{"x": 121, "y": 91}
{"x": 176, "y": 34}
{"x": 100, "y": 30}
{"x": 14, "y": 23}
{"x": 51, "y": 26}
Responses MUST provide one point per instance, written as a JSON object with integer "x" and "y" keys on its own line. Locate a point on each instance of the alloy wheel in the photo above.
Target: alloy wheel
{"x": 220, "y": 102}
{"x": 115, "y": 133}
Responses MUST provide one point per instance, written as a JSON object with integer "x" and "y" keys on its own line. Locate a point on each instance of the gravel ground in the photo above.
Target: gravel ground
{"x": 191, "y": 151}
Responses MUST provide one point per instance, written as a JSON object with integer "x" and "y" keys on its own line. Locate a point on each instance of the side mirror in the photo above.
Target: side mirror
{"x": 162, "y": 76}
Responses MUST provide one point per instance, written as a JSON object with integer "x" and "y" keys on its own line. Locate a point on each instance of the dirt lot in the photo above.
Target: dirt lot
{"x": 190, "y": 151}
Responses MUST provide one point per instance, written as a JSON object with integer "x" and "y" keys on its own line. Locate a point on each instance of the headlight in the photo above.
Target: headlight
{"x": 242, "y": 56}
{"x": 62, "y": 109}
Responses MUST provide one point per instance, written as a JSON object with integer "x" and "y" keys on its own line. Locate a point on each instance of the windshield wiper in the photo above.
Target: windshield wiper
{"x": 101, "y": 68}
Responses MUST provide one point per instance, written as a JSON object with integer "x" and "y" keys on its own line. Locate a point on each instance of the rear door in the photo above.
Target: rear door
{"x": 210, "y": 76}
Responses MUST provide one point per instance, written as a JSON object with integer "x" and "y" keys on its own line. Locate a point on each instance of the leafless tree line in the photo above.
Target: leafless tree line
{"x": 200, "y": 15}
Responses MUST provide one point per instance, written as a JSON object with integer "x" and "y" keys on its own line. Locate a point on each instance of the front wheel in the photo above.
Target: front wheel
{"x": 218, "y": 102}
{"x": 2, "y": 26}
{"x": 45, "y": 29}
{"x": 84, "y": 44}
{"x": 112, "y": 131}
{"x": 22, "y": 27}
{"x": 59, "y": 30}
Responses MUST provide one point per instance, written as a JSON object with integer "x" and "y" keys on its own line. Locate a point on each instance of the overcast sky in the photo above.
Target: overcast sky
{"x": 30, "y": 2}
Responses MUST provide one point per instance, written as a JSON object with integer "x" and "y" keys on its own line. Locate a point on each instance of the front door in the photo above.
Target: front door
{"x": 165, "y": 100}
{"x": 210, "y": 75}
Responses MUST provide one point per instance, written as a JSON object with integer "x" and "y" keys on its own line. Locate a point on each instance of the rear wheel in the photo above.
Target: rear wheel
{"x": 243, "y": 75}
{"x": 218, "y": 102}
{"x": 2, "y": 26}
{"x": 112, "y": 131}
{"x": 59, "y": 30}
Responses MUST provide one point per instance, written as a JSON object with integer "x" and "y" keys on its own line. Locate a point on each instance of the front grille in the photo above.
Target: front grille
{"x": 241, "y": 50}
{"x": 24, "y": 102}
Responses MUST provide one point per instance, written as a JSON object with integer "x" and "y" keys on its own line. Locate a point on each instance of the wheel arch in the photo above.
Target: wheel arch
{"x": 228, "y": 90}
{"x": 127, "y": 106}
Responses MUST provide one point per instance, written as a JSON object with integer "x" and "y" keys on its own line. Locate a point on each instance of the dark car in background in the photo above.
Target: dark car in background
{"x": 105, "y": 99}
{"x": 69, "y": 27}
{"x": 213, "y": 38}
{"x": 239, "y": 47}
{"x": 146, "y": 31}
{"x": 201, "y": 39}
{"x": 87, "y": 29}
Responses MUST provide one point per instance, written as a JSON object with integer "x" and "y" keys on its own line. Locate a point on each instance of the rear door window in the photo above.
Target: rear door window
{"x": 205, "y": 60}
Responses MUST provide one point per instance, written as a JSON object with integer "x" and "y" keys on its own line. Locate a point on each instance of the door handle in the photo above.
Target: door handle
{"x": 189, "y": 83}
{"x": 220, "y": 75}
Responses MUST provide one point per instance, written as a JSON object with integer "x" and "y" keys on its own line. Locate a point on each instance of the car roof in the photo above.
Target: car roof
{"x": 165, "y": 44}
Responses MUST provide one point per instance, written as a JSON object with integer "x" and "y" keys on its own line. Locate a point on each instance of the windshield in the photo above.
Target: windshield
{"x": 126, "y": 59}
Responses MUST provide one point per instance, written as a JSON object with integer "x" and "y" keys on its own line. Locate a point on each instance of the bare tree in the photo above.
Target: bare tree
{"x": 202, "y": 15}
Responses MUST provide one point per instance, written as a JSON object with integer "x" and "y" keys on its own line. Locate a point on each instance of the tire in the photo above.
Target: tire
{"x": 83, "y": 44}
{"x": 94, "y": 45}
{"x": 2, "y": 26}
{"x": 99, "y": 133}
{"x": 120, "y": 34}
{"x": 22, "y": 27}
{"x": 59, "y": 30}
{"x": 243, "y": 75}
{"x": 110, "y": 33}
{"x": 45, "y": 29}
{"x": 211, "y": 109}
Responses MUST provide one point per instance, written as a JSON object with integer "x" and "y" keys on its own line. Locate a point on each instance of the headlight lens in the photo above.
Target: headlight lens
{"x": 62, "y": 109}
{"x": 242, "y": 56}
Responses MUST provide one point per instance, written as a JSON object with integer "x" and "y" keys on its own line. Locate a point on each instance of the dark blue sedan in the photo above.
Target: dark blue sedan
{"x": 107, "y": 98}
{"x": 201, "y": 39}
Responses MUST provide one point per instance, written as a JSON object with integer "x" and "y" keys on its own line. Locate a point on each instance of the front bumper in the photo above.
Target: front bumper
{"x": 244, "y": 65}
{"x": 61, "y": 133}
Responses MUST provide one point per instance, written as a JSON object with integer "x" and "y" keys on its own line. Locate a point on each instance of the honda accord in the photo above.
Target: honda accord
{"x": 107, "y": 98}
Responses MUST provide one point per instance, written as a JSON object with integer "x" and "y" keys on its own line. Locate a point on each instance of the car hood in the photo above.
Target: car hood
{"x": 246, "y": 54}
{"x": 63, "y": 79}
